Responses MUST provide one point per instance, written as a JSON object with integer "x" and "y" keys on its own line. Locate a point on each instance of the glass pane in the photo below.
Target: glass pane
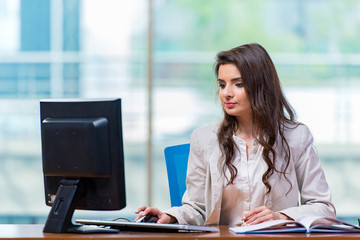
{"x": 314, "y": 45}
{"x": 67, "y": 49}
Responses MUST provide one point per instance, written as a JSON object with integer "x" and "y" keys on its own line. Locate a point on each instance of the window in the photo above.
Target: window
{"x": 73, "y": 48}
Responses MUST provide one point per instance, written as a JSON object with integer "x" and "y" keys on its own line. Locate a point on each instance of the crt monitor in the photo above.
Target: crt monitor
{"x": 83, "y": 159}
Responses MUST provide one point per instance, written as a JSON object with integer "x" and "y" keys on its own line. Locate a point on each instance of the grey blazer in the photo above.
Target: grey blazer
{"x": 309, "y": 195}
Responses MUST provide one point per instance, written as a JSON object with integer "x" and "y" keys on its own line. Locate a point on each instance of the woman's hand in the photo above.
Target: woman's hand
{"x": 262, "y": 214}
{"x": 163, "y": 217}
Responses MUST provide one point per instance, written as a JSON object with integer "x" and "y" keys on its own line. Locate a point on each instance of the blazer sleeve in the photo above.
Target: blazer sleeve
{"x": 315, "y": 195}
{"x": 193, "y": 209}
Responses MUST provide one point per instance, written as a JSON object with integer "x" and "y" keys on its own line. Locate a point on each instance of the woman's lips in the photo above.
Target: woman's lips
{"x": 229, "y": 104}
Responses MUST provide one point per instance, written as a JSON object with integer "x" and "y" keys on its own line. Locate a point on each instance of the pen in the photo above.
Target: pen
{"x": 242, "y": 221}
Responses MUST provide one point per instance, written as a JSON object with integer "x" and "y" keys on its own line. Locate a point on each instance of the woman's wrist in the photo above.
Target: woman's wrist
{"x": 284, "y": 216}
{"x": 171, "y": 218}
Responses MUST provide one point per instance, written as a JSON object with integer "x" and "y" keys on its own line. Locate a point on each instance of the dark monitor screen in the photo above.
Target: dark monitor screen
{"x": 83, "y": 159}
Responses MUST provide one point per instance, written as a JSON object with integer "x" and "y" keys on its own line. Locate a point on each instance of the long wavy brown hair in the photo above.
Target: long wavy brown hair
{"x": 271, "y": 111}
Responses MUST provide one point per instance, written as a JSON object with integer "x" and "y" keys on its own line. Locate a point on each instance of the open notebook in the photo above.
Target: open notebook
{"x": 307, "y": 225}
{"x": 148, "y": 227}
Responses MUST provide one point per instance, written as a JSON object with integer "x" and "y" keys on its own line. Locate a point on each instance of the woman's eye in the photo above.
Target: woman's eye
{"x": 239, "y": 84}
{"x": 221, "y": 85}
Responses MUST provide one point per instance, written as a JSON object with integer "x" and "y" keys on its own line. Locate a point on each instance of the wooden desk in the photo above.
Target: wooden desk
{"x": 32, "y": 232}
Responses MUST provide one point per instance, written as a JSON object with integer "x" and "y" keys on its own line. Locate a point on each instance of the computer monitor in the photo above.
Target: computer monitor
{"x": 83, "y": 159}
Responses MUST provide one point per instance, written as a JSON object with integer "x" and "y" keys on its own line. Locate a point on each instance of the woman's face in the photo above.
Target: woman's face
{"x": 232, "y": 92}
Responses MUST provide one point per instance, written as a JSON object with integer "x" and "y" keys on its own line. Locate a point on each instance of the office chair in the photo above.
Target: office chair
{"x": 176, "y": 158}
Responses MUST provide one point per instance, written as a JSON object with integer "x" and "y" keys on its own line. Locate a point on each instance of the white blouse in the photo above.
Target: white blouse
{"x": 248, "y": 190}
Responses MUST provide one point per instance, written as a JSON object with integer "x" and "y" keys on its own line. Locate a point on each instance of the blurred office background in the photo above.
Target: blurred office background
{"x": 100, "y": 48}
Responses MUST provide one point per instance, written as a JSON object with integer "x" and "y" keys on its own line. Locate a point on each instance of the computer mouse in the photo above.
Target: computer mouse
{"x": 149, "y": 219}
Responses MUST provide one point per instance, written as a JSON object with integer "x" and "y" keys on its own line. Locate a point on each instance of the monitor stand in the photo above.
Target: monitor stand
{"x": 62, "y": 210}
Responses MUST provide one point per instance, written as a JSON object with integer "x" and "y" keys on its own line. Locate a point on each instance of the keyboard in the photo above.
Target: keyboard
{"x": 148, "y": 227}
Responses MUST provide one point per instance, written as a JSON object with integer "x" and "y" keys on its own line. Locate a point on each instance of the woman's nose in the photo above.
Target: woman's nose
{"x": 228, "y": 92}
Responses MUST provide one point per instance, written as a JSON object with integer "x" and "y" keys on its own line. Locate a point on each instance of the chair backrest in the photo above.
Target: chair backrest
{"x": 176, "y": 158}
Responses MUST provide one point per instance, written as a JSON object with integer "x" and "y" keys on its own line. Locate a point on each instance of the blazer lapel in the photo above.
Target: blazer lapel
{"x": 217, "y": 179}
{"x": 274, "y": 179}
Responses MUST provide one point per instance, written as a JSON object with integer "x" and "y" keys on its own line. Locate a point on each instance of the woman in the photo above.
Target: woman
{"x": 258, "y": 164}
